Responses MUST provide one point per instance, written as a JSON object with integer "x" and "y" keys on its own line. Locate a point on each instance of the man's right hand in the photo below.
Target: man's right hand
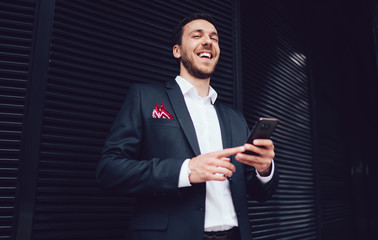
{"x": 213, "y": 166}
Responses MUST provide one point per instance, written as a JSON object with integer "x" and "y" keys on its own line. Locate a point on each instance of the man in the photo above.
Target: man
{"x": 170, "y": 147}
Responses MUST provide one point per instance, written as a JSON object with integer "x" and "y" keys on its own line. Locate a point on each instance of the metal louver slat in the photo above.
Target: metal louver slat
{"x": 16, "y": 26}
{"x": 276, "y": 85}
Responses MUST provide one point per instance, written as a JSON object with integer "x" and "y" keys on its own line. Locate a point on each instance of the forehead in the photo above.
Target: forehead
{"x": 199, "y": 25}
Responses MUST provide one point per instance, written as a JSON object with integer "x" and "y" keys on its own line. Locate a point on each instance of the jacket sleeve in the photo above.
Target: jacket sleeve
{"x": 121, "y": 168}
{"x": 256, "y": 190}
{"x": 260, "y": 191}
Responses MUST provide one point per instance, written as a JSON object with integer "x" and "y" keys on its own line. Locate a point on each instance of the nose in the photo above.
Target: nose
{"x": 207, "y": 41}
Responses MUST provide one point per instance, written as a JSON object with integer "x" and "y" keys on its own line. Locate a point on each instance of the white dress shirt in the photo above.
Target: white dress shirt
{"x": 219, "y": 208}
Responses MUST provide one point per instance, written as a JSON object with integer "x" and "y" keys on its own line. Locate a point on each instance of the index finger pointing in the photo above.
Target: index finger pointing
{"x": 230, "y": 151}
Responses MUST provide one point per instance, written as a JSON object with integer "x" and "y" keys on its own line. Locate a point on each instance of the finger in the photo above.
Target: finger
{"x": 260, "y": 164}
{"x": 244, "y": 158}
{"x": 263, "y": 157}
{"x": 252, "y": 148}
{"x": 222, "y": 171}
{"x": 229, "y": 151}
{"x": 252, "y": 160}
{"x": 264, "y": 152}
{"x": 261, "y": 151}
{"x": 217, "y": 177}
{"x": 263, "y": 143}
{"x": 226, "y": 165}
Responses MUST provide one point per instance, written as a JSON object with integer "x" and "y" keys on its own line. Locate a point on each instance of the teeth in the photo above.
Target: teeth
{"x": 208, "y": 55}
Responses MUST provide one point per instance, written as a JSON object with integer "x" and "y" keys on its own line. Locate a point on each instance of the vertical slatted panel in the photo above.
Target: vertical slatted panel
{"x": 16, "y": 26}
{"x": 337, "y": 58}
{"x": 373, "y": 164}
{"x": 276, "y": 85}
{"x": 98, "y": 49}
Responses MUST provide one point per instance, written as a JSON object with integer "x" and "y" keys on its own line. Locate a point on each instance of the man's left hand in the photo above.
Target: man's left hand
{"x": 263, "y": 161}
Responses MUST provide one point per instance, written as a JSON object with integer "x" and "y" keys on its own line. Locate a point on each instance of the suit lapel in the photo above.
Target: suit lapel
{"x": 226, "y": 131}
{"x": 225, "y": 125}
{"x": 182, "y": 114}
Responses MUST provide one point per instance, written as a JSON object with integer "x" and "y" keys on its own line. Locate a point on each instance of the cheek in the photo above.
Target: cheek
{"x": 192, "y": 46}
{"x": 218, "y": 50}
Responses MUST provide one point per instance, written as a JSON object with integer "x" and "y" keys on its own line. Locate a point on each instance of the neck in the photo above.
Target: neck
{"x": 202, "y": 85}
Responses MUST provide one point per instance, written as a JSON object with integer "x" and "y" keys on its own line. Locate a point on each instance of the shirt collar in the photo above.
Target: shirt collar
{"x": 187, "y": 87}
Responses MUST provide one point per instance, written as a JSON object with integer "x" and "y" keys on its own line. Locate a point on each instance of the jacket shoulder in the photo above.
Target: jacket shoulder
{"x": 146, "y": 92}
{"x": 230, "y": 110}
{"x": 157, "y": 86}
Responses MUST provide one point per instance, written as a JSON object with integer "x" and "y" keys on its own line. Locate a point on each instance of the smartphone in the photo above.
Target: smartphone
{"x": 262, "y": 129}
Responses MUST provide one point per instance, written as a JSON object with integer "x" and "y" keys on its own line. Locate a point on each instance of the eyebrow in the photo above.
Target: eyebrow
{"x": 201, "y": 31}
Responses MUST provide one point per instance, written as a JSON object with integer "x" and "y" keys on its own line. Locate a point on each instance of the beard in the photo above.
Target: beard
{"x": 193, "y": 70}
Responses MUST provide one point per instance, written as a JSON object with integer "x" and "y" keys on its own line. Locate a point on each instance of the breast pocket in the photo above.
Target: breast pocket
{"x": 165, "y": 138}
{"x": 163, "y": 122}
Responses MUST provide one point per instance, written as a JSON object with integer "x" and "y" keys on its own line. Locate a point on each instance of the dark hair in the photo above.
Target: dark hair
{"x": 178, "y": 30}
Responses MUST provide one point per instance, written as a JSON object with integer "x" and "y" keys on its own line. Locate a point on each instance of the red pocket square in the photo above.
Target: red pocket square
{"x": 161, "y": 112}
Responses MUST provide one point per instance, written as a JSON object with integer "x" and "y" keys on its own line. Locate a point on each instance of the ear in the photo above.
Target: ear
{"x": 176, "y": 51}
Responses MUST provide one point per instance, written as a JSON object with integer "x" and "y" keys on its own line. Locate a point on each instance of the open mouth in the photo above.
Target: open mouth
{"x": 205, "y": 55}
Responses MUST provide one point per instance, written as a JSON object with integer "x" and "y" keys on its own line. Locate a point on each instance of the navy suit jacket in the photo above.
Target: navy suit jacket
{"x": 142, "y": 157}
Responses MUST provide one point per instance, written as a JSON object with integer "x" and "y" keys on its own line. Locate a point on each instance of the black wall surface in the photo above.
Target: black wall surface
{"x": 345, "y": 86}
{"x": 16, "y": 34}
{"x": 66, "y": 67}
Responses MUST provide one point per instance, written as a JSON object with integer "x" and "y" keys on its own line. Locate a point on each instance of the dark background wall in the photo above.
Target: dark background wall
{"x": 345, "y": 82}
{"x": 66, "y": 67}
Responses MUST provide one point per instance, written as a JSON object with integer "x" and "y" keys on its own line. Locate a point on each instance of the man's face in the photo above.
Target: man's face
{"x": 199, "y": 50}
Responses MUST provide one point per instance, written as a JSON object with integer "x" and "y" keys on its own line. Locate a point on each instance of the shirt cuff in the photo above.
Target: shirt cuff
{"x": 266, "y": 179}
{"x": 184, "y": 175}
